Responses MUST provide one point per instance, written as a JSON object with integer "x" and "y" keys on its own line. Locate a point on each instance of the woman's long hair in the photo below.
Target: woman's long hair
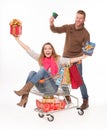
{"x": 42, "y": 55}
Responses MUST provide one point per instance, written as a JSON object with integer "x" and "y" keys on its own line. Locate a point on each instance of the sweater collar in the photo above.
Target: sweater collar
{"x": 79, "y": 28}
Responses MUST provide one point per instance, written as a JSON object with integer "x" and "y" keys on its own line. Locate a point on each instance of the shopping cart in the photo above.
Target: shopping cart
{"x": 59, "y": 96}
{"x": 58, "y": 103}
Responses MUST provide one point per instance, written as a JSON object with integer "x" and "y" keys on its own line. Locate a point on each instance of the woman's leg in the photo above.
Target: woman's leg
{"x": 23, "y": 101}
{"x": 31, "y": 74}
{"x": 24, "y": 91}
{"x": 24, "y": 98}
{"x": 32, "y": 79}
{"x": 41, "y": 74}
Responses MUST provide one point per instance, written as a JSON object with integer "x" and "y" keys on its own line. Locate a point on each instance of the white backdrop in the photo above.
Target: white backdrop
{"x": 15, "y": 63}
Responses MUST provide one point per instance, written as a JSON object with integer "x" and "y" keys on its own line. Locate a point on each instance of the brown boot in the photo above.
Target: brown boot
{"x": 23, "y": 100}
{"x": 68, "y": 98}
{"x": 85, "y": 104}
{"x": 25, "y": 89}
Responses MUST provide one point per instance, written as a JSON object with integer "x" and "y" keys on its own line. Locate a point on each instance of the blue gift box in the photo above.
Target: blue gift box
{"x": 89, "y": 48}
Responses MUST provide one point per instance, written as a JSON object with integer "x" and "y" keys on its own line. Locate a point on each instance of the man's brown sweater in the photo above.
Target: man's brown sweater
{"x": 74, "y": 41}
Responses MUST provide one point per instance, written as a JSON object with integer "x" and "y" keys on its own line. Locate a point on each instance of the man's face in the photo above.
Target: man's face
{"x": 79, "y": 20}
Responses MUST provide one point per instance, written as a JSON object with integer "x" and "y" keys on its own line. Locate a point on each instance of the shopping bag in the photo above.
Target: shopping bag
{"x": 89, "y": 48}
{"x": 59, "y": 79}
{"x": 76, "y": 79}
{"x": 66, "y": 76}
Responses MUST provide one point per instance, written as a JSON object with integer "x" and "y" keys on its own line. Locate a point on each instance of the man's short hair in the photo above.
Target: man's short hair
{"x": 81, "y": 12}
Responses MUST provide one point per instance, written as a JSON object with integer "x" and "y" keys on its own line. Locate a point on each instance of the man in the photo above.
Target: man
{"x": 76, "y": 37}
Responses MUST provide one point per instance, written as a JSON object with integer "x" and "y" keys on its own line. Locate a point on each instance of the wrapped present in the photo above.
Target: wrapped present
{"x": 50, "y": 106}
{"x": 48, "y": 100}
{"x": 15, "y": 27}
{"x": 59, "y": 105}
{"x": 89, "y": 48}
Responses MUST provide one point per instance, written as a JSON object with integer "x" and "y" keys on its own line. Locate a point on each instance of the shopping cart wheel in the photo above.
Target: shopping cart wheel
{"x": 41, "y": 115}
{"x": 80, "y": 112}
{"x": 50, "y": 117}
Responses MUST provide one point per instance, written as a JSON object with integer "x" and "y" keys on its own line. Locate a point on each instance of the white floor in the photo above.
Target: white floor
{"x": 13, "y": 117}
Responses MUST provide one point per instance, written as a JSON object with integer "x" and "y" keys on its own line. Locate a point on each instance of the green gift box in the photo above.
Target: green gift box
{"x": 54, "y": 14}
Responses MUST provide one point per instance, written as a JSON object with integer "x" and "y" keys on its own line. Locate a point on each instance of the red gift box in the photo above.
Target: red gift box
{"x": 46, "y": 107}
{"x": 15, "y": 30}
{"x": 15, "y": 27}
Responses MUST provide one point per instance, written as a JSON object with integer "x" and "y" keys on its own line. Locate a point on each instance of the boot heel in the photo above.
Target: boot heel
{"x": 23, "y": 101}
{"x": 24, "y": 105}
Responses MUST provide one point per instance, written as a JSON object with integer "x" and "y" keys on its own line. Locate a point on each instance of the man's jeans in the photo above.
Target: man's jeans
{"x": 82, "y": 87}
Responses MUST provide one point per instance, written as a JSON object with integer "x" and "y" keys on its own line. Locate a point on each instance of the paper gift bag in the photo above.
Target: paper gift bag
{"x": 76, "y": 79}
{"x": 66, "y": 76}
{"x": 59, "y": 80}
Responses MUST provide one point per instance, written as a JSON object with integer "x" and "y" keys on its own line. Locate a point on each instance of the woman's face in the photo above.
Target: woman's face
{"x": 47, "y": 50}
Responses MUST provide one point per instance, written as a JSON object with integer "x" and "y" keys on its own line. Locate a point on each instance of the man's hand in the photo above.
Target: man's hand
{"x": 51, "y": 20}
{"x": 84, "y": 56}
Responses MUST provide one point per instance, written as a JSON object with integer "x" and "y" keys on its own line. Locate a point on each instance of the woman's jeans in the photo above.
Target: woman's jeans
{"x": 48, "y": 88}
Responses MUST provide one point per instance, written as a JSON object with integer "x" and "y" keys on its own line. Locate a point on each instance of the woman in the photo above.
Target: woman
{"x": 49, "y": 63}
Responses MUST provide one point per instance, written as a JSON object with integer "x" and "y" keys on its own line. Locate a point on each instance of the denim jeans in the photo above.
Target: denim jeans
{"x": 83, "y": 88}
{"x": 48, "y": 88}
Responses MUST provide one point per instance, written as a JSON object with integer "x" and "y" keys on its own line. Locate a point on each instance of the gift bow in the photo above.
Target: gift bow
{"x": 16, "y": 22}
